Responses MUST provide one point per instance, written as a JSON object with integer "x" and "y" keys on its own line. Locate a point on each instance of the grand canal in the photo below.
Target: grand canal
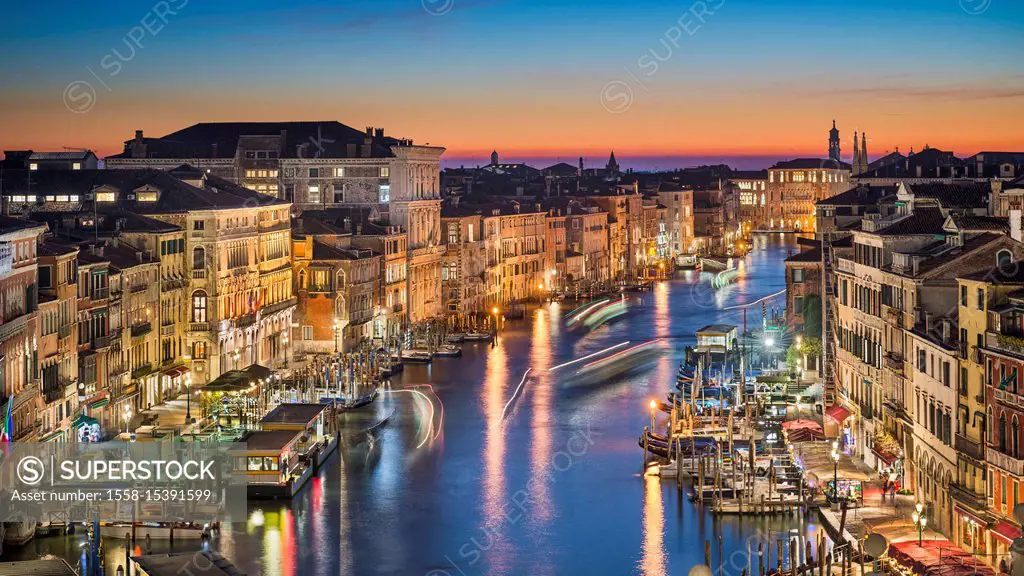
{"x": 518, "y": 475}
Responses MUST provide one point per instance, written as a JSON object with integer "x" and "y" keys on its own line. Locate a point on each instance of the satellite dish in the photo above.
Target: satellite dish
{"x": 876, "y": 545}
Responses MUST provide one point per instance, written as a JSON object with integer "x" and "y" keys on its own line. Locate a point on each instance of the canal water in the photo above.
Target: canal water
{"x": 493, "y": 471}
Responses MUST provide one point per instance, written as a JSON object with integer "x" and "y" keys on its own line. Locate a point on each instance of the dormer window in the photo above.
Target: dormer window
{"x": 33, "y": 166}
{"x": 106, "y": 197}
{"x": 1004, "y": 260}
{"x": 146, "y": 196}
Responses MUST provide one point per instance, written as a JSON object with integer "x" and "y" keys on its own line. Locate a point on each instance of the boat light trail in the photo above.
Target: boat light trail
{"x": 440, "y": 421}
{"x": 430, "y": 429}
{"x": 588, "y": 356}
{"x": 514, "y": 394}
{"x": 622, "y": 352}
{"x": 758, "y": 301}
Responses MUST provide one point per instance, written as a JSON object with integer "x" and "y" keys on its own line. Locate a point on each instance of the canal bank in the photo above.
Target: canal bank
{"x": 519, "y": 475}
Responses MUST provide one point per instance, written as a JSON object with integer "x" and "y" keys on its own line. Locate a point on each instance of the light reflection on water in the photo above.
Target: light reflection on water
{"x": 388, "y": 508}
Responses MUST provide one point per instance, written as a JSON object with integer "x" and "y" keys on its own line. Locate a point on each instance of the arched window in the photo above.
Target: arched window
{"x": 1004, "y": 261}
{"x": 341, "y": 280}
{"x": 302, "y": 279}
{"x": 1014, "y": 443}
{"x": 1002, "y": 433}
{"x": 199, "y": 306}
{"x": 987, "y": 425}
{"x": 198, "y": 258}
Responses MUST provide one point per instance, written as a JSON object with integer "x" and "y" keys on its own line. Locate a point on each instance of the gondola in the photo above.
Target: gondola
{"x": 448, "y": 351}
{"x": 416, "y": 357}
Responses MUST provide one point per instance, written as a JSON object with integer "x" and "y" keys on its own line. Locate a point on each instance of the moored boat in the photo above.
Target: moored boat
{"x": 447, "y": 351}
{"x": 477, "y": 337}
{"x": 416, "y": 356}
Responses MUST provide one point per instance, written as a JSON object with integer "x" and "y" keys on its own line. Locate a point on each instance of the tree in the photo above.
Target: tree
{"x": 812, "y": 316}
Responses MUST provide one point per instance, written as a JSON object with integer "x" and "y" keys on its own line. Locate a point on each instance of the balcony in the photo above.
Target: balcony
{"x": 167, "y": 330}
{"x": 244, "y": 321}
{"x": 100, "y": 293}
{"x": 1006, "y": 462}
{"x": 141, "y": 329}
{"x": 1008, "y": 397}
{"x": 169, "y": 284}
{"x": 845, "y": 265}
{"x": 142, "y": 372}
{"x": 138, "y": 288}
{"x": 968, "y": 497}
{"x": 277, "y": 307}
{"x": 64, "y": 331}
{"x": 199, "y": 327}
{"x": 10, "y": 327}
{"x": 969, "y": 447}
{"x": 199, "y": 274}
{"x": 1006, "y": 343}
{"x": 398, "y": 308}
{"x": 894, "y": 362}
{"x": 100, "y": 342}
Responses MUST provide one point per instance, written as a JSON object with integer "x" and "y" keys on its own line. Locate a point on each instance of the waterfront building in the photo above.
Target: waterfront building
{"x": 678, "y": 202}
{"x": 464, "y": 267}
{"x": 803, "y": 292}
{"x": 795, "y": 186}
{"x": 32, "y": 161}
{"x": 20, "y": 314}
{"x": 753, "y": 197}
{"x": 514, "y": 236}
{"x": 58, "y": 344}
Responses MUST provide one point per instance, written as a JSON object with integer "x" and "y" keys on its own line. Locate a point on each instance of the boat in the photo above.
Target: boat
{"x": 477, "y": 337}
{"x": 455, "y": 338}
{"x": 416, "y": 356}
{"x": 447, "y": 351}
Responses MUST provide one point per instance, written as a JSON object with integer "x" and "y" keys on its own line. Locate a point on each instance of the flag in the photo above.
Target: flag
{"x": 7, "y": 432}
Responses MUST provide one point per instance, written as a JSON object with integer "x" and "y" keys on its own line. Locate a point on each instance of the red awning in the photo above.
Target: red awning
{"x": 965, "y": 512}
{"x": 838, "y": 413}
{"x": 175, "y": 372}
{"x": 887, "y": 458}
{"x": 1006, "y": 531}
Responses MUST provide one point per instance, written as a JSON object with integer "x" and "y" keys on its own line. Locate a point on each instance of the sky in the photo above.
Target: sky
{"x": 662, "y": 83}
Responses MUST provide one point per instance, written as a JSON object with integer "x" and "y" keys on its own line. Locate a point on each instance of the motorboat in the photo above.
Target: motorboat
{"x": 416, "y": 356}
{"x": 447, "y": 351}
{"x": 477, "y": 337}
{"x": 455, "y": 338}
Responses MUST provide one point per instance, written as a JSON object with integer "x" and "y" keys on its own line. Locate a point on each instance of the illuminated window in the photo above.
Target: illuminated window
{"x": 250, "y": 173}
{"x": 314, "y": 194}
{"x": 33, "y": 166}
{"x": 76, "y": 166}
{"x": 339, "y": 172}
{"x": 146, "y": 197}
{"x": 385, "y": 193}
{"x": 199, "y": 306}
{"x": 385, "y": 172}
{"x": 105, "y": 197}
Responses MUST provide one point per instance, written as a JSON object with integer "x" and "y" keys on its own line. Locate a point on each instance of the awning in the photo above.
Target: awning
{"x": 1006, "y": 531}
{"x": 99, "y": 403}
{"x": 965, "y": 512}
{"x": 889, "y": 459}
{"x": 175, "y": 372}
{"x": 838, "y": 413}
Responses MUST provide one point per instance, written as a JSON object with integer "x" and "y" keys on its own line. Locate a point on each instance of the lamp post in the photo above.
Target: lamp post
{"x": 920, "y": 521}
{"x": 835, "y": 470}
{"x": 494, "y": 312}
{"x": 188, "y": 399}
{"x": 337, "y": 331}
{"x": 653, "y": 406}
{"x": 127, "y": 417}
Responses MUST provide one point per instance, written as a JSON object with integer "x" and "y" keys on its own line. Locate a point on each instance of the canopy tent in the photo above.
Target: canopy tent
{"x": 838, "y": 413}
{"x": 938, "y": 558}
{"x": 236, "y": 381}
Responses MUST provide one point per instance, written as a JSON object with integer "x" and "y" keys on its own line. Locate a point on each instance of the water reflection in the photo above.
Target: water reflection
{"x": 652, "y": 562}
{"x": 391, "y": 509}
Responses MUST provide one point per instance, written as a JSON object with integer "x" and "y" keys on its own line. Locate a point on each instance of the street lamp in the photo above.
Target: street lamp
{"x": 653, "y": 405}
{"x": 188, "y": 399}
{"x": 337, "y": 330}
{"x": 494, "y": 311}
{"x": 127, "y": 417}
{"x": 835, "y": 470}
{"x": 920, "y": 520}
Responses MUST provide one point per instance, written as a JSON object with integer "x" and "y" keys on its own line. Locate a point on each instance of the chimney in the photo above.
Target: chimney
{"x": 138, "y": 146}
{"x": 213, "y": 150}
{"x": 1015, "y": 224}
{"x": 282, "y": 142}
{"x": 378, "y": 133}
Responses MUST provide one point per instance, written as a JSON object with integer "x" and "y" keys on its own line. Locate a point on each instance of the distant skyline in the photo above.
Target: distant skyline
{"x": 746, "y": 82}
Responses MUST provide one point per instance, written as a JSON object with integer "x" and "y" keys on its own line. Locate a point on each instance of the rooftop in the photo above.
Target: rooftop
{"x": 267, "y": 440}
{"x": 294, "y": 413}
